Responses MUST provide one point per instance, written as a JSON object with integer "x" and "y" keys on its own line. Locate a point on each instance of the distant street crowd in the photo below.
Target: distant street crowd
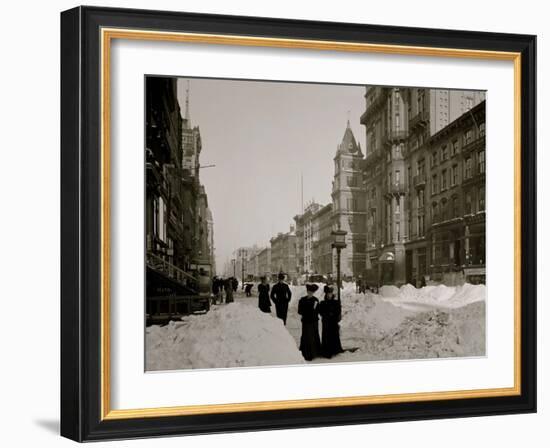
{"x": 223, "y": 289}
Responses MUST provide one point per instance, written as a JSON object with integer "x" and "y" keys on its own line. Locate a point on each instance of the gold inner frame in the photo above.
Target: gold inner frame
{"x": 107, "y": 35}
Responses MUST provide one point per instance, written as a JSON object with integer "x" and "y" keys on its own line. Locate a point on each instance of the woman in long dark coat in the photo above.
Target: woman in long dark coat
{"x": 263, "y": 296}
{"x": 310, "y": 343}
{"x": 330, "y": 310}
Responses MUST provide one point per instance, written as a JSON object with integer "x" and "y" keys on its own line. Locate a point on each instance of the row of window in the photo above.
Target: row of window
{"x": 444, "y": 210}
{"x": 450, "y": 150}
{"x": 450, "y": 177}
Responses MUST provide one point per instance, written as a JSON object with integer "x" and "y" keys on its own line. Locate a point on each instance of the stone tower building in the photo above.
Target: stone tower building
{"x": 348, "y": 199}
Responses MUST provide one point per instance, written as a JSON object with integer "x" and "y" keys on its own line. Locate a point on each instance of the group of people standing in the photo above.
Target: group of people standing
{"x": 330, "y": 311}
{"x": 220, "y": 286}
{"x": 310, "y": 308}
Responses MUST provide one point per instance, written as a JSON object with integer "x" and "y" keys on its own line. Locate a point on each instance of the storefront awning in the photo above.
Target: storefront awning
{"x": 387, "y": 257}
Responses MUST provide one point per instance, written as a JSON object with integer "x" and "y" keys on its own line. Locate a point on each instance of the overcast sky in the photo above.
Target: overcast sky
{"x": 262, "y": 136}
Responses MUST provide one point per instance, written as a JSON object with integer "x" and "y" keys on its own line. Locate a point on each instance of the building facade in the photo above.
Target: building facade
{"x": 178, "y": 233}
{"x": 242, "y": 265}
{"x": 386, "y": 124}
{"x": 264, "y": 262}
{"x": 304, "y": 238}
{"x": 404, "y": 174}
{"x": 456, "y": 236}
{"x": 283, "y": 255}
{"x": 323, "y": 262}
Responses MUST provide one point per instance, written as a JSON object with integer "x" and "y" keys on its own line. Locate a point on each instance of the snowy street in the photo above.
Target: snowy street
{"x": 397, "y": 323}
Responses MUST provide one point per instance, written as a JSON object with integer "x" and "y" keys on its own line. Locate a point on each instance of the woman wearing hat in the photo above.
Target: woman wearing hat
{"x": 310, "y": 343}
{"x": 263, "y": 297}
{"x": 330, "y": 310}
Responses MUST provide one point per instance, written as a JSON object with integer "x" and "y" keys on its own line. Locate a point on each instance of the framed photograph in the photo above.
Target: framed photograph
{"x": 273, "y": 223}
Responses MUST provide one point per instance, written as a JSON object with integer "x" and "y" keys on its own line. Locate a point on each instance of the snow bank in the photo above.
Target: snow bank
{"x": 233, "y": 335}
{"x": 389, "y": 291}
{"x": 439, "y": 296}
{"x": 367, "y": 316}
{"x": 435, "y": 334}
{"x": 411, "y": 323}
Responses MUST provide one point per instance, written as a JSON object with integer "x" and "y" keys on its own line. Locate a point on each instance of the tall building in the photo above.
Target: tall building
{"x": 401, "y": 126}
{"x": 204, "y": 256}
{"x": 198, "y": 213}
{"x": 191, "y": 142}
{"x": 178, "y": 221}
{"x": 348, "y": 201}
{"x": 446, "y": 105}
{"x": 456, "y": 183}
{"x": 387, "y": 131}
{"x": 166, "y": 252}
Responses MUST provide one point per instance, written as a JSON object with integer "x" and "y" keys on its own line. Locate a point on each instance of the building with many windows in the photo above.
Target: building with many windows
{"x": 413, "y": 207}
{"x": 244, "y": 262}
{"x": 264, "y": 262}
{"x": 283, "y": 255}
{"x": 179, "y": 227}
{"x": 457, "y": 198}
{"x": 322, "y": 252}
{"x": 406, "y": 169}
{"x": 304, "y": 238}
{"x": 387, "y": 128}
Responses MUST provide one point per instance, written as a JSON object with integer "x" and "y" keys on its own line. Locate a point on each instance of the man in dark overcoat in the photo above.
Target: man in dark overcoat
{"x": 281, "y": 295}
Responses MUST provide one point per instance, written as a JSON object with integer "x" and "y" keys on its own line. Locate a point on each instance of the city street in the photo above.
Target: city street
{"x": 398, "y": 323}
{"x": 350, "y": 339}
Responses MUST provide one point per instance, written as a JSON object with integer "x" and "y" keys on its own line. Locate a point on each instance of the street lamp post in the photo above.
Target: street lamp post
{"x": 338, "y": 243}
{"x": 234, "y": 266}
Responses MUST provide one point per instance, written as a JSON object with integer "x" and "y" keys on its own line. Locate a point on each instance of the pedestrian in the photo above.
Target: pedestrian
{"x": 228, "y": 290}
{"x": 263, "y": 296}
{"x": 310, "y": 343}
{"x": 330, "y": 310}
{"x": 281, "y": 295}
{"x": 215, "y": 290}
{"x": 235, "y": 284}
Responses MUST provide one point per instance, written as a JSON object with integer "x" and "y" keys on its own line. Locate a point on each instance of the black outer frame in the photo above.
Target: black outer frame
{"x": 81, "y": 223}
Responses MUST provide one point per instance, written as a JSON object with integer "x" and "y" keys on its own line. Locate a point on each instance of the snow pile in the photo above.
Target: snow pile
{"x": 410, "y": 323}
{"x": 440, "y": 296}
{"x": 367, "y": 316}
{"x": 233, "y": 335}
{"x": 389, "y": 291}
{"x": 436, "y": 334}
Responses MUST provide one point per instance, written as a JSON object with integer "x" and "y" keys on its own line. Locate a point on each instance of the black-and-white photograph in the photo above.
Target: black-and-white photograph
{"x": 292, "y": 223}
